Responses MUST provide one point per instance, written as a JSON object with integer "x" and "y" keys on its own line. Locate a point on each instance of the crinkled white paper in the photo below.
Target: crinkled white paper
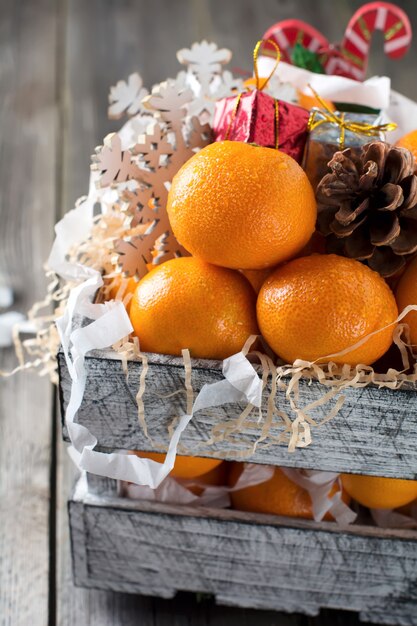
{"x": 403, "y": 112}
{"x": 388, "y": 518}
{"x": 319, "y": 485}
{"x": 177, "y": 491}
{"x": 374, "y": 92}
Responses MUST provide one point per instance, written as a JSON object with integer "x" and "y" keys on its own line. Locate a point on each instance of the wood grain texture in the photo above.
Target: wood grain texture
{"x": 27, "y": 215}
{"x": 88, "y": 607}
{"x": 373, "y": 433}
{"x": 243, "y": 559}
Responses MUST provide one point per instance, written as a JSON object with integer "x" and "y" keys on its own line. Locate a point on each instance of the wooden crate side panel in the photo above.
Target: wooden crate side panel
{"x": 248, "y": 565}
{"x": 374, "y": 432}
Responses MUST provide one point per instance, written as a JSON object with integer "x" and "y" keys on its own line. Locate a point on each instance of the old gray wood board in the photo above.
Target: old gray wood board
{"x": 243, "y": 559}
{"x": 27, "y": 215}
{"x": 374, "y": 433}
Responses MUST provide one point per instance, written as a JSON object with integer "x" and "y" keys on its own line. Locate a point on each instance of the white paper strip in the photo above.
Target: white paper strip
{"x": 374, "y": 92}
{"x": 319, "y": 485}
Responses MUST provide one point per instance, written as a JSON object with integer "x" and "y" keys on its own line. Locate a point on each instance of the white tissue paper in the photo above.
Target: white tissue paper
{"x": 389, "y": 518}
{"x": 374, "y": 92}
{"x": 176, "y": 491}
{"x": 319, "y": 485}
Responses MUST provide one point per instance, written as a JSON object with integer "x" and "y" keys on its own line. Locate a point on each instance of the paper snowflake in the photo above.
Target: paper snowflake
{"x": 114, "y": 164}
{"x": 178, "y": 111}
{"x": 126, "y": 97}
{"x": 206, "y": 77}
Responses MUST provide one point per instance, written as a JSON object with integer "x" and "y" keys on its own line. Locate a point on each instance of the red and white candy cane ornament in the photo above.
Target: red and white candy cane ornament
{"x": 289, "y": 32}
{"x": 383, "y": 16}
{"x": 350, "y": 58}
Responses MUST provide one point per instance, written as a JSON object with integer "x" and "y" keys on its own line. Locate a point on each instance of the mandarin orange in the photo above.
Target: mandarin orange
{"x": 319, "y": 305}
{"x": 187, "y": 303}
{"x": 376, "y": 492}
{"x": 257, "y": 277}
{"x": 309, "y": 100}
{"x": 279, "y": 495}
{"x": 242, "y": 206}
{"x": 409, "y": 141}
{"x": 406, "y": 294}
{"x": 188, "y": 466}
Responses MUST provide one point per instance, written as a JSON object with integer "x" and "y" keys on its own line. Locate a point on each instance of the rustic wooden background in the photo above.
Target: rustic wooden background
{"x": 57, "y": 61}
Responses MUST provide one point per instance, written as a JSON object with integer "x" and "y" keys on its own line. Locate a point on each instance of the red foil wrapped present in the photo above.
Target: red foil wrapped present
{"x": 256, "y": 117}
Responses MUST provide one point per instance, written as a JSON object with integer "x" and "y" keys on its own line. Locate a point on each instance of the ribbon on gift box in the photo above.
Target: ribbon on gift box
{"x": 327, "y": 116}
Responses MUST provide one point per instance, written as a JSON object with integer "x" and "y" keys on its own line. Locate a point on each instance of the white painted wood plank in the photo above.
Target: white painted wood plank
{"x": 245, "y": 560}
{"x": 374, "y": 432}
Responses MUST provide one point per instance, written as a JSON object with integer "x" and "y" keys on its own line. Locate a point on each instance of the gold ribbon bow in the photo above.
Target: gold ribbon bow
{"x": 260, "y": 84}
{"x": 358, "y": 128}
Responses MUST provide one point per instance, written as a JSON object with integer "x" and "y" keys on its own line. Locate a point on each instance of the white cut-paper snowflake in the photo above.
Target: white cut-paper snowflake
{"x": 280, "y": 90}
{"x": 204, "y": 59}
{"x": 206, "y": 77}
{"x": 114, "y": 164}
{"x": 167, "y": 127}
{"x": 126, "y": 97}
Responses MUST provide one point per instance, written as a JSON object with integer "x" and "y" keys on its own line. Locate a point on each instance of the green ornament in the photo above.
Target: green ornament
{"x": 301, "y": 57}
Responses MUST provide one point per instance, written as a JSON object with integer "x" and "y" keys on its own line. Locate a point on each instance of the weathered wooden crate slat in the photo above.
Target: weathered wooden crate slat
{"x": 374, "y": 433}
{"x": 243, "y": 559}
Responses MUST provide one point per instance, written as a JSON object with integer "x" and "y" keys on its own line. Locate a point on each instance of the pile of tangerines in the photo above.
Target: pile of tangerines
{"x": 247, "y": 216}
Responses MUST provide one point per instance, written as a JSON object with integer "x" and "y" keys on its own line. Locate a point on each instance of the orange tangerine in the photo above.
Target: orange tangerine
{"x": 376, "y": 492}
{"x": 187, "y": 303}
{"x": 188, "y": 466}
{"x": 242, "y": 206}
{"x": 407, "y": 294}
{"x": 409, "y": 141}
{"x": 320, "y": 305}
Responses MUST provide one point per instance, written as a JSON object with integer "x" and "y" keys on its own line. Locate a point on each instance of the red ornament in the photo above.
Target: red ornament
{"x": 350, "y": 57}
{"x": 256, "y": 117}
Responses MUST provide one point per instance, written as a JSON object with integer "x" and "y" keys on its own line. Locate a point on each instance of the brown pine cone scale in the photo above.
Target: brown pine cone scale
{"x": 367, "y": 206}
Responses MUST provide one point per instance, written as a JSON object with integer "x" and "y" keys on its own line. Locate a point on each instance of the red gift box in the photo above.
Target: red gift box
{"x": 256, "y": 117}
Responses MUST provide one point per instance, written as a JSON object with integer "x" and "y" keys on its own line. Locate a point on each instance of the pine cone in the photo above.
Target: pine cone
{"x": 367, "y": 206}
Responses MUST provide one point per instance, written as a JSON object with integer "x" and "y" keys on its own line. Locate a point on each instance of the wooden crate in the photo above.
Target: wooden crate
{"x": 374, "y": 433}
{"x": 243, "y": 559}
